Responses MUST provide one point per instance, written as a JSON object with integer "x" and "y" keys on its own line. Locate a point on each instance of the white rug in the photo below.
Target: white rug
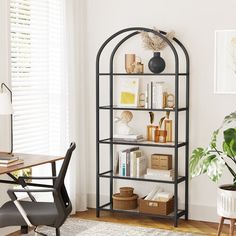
{"x": 75, "y": 226}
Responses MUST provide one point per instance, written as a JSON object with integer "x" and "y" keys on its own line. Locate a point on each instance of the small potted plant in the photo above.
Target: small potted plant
{"x": 156, "y": 44}
{"x": 220, "y": 154}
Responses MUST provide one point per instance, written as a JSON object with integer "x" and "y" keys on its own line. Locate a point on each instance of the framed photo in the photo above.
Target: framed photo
{"x": 225, "y": 62}
{"x": 128, "y": 89}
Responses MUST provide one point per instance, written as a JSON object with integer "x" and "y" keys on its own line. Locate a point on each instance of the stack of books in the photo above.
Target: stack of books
{"x": 7, "y": 161}
{"x": 128, "y": 137}
{"x": 159, "y": 174}
{"x": 132, "y": 163}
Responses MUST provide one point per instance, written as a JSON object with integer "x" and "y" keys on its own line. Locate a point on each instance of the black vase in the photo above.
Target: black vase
{"x": 156, "y": 64}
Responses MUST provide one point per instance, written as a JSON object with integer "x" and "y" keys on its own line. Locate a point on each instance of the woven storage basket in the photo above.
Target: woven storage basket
{"x": 124, "y": 203}
{"x": 126, "y": 191}
{"x": 156, "y": 207}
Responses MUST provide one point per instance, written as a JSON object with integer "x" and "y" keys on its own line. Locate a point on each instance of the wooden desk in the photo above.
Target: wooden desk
{"x": 30, "y": 160}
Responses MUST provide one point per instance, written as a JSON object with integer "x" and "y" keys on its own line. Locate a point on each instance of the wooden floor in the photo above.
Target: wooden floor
{"x": 199, "y": 227}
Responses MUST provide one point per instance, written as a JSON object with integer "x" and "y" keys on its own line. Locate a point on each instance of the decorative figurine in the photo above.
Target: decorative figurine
{"x": 123, "y": 120}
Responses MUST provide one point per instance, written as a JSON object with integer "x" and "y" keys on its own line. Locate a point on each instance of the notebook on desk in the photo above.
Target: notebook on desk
{"x": 8, "y": 159}
{"x": 13, "y": 163}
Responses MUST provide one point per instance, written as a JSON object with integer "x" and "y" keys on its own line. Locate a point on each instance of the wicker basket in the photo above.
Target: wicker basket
{"x": 156, "y": 207}
{"x": 124, "y": 203}
{"x": 126, "y": 191}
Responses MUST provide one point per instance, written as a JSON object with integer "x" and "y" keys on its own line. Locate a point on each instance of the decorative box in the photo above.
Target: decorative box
{"x": 156, "y": 207}
{"x": 161, "y": 161}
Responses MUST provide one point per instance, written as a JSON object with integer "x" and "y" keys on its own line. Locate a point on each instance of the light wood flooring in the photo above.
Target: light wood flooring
{"x": 192, "y": 226}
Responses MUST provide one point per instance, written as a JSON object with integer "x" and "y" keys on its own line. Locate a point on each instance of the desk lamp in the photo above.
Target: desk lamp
{"x": 6, "y": 107}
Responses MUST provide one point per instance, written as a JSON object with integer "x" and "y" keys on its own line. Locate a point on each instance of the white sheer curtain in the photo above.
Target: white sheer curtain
{"x": 48, "y": 87}
{"x": 77, "y": 175}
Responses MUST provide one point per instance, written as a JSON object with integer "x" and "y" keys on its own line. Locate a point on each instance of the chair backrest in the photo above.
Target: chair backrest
{"x": 61, "y": 177}
{"x": 61, "y": 197}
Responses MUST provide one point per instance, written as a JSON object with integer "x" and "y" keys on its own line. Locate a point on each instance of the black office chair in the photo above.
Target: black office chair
{"x": 32, "y": 213}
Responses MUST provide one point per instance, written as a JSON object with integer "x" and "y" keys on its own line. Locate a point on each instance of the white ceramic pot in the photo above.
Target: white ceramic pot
{"x": 226, "y": 201}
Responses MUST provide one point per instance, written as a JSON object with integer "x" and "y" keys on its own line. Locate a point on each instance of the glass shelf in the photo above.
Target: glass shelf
{"x": 107, "y": 175}
{"x": 106, "y": 207}
{"x": 144, "y": 74}
{"x": 142, "y": 143}
{"x": 114, "y": 107}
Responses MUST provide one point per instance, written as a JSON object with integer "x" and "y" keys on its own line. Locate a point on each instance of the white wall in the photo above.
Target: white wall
{"x": 194, "y": 23}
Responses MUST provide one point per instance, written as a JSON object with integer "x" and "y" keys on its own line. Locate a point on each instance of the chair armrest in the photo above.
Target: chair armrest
{"x": 12, "y": 195}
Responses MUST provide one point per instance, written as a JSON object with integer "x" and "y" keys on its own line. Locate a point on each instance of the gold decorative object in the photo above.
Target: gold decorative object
{"x": 168, "y": 127}
{"x": 129, "y": 63}
{"x": 138, "y": 66}
{"x": 170, "y": 100}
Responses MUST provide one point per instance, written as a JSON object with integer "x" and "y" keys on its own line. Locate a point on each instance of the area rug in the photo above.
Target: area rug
{"x": 75, "y": 226}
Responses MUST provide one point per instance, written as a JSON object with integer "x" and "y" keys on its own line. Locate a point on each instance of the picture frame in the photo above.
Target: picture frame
{"x": 225, "y": 62}
{"x": 128, "y": 91}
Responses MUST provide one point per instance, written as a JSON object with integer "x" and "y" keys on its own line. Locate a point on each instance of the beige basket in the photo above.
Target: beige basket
{"x": 124, "y": 203}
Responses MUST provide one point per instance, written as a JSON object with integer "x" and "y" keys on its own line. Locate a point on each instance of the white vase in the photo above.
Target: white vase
{"x": 226, "y": 201}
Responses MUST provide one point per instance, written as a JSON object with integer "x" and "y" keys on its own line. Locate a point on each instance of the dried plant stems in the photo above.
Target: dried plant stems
{"x": 154, "y": 42}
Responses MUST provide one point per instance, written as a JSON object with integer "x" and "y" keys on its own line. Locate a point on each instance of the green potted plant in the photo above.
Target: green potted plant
{"x": 212, "y": 160}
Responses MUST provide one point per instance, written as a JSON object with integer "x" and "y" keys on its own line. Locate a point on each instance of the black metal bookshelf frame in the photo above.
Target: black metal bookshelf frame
{"x": 111, "y": 107}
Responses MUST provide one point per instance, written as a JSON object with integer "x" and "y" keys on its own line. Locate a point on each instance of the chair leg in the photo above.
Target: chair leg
{"x": 232, "y": 222}
{"x": 58, "y": 232}
{"x": 220, "y": 226}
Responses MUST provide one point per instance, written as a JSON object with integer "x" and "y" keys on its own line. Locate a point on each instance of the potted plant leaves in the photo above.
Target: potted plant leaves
{"x": 219, "y": 155}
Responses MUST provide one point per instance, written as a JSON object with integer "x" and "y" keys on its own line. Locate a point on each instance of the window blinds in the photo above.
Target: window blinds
{"x": 38, "y": 76}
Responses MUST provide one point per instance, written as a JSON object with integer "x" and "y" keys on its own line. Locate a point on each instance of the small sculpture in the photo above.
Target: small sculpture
{"x": 123, "y": 127}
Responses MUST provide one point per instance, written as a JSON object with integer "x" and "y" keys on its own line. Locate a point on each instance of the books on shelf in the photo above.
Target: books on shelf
{"x": 128, "y": 137}
{"x": 16, "y": 162}
{"x": 157, "y": 177}
{"x": 156, "y": 96}
{"x": 134, "y": 156}
{"x": 167, "y": 173}
{"x": 132, "y": 163}
{"x": 141, "y": 166}
{"x": 160, "y": 174}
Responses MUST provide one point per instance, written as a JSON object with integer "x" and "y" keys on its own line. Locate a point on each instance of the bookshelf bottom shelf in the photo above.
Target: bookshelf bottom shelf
{"x": 106, "y": 207}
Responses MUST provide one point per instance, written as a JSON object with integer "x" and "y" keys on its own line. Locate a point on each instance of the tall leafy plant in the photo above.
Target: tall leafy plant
{"x": 219, "y": 153}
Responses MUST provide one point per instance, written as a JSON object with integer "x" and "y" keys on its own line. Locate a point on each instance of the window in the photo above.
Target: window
{"x": 37, "y": 71}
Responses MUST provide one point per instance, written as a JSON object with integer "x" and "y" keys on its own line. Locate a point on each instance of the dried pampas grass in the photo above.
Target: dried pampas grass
{"x": 154, "y": 42}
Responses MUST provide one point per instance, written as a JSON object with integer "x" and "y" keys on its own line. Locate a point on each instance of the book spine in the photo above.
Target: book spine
{"x": 141, "y": 166}
{"x": 151, "y": 105}
{"x": 120, "y": 164}
{"x": 128, "y": 164}
{"x": 147, "y": 97}
{"x": 123, "y": 164}
{"x": 133, "y": 164}
{"x": 154, "y": 97}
